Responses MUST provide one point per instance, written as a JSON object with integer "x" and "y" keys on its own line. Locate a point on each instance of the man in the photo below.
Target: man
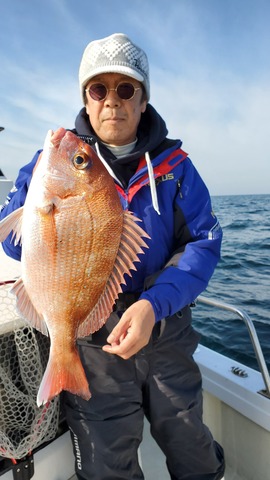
{"x": 140, "y": 363}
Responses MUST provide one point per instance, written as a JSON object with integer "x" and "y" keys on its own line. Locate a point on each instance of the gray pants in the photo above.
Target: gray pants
{"x": 161, "y": 382}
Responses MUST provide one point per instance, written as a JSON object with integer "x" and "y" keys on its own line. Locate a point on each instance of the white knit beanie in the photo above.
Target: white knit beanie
{"x": 114, "y": 54}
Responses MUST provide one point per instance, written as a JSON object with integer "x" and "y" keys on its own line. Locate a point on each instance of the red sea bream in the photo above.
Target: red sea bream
{"x": 77, "y": 244}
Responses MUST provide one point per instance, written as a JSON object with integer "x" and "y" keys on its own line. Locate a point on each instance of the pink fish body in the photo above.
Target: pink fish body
{"x": 77, "y": 244}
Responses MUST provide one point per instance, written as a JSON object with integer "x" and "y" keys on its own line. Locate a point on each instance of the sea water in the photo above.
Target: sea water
{"x": 242, "y": 278}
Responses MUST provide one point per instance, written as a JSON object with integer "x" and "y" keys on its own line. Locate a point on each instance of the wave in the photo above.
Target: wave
{"x": 241, "y": 278}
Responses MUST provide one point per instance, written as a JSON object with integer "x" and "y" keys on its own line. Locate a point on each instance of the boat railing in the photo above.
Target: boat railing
{"x": 252, "y": 333}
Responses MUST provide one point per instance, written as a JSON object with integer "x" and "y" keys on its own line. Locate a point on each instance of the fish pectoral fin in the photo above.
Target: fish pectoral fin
{"x": 130, "y": 247}
{"x": 26, "y": 309}
{"x": 12, "y": 222}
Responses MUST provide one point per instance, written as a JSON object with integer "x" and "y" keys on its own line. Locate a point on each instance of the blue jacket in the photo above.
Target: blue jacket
{"x": 185, "y": 237}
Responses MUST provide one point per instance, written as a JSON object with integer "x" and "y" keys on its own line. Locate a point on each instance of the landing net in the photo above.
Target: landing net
{"x": 23, "y": 358}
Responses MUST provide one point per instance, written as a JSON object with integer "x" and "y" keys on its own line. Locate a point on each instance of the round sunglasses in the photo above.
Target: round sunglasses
{"x": 124, "y": 90}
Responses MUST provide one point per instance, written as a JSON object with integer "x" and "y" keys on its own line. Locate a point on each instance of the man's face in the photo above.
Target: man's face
{"x": 115, "y": 121}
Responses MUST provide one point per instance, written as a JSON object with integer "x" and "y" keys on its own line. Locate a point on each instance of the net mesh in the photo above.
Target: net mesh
{"x": 23, "y": 357}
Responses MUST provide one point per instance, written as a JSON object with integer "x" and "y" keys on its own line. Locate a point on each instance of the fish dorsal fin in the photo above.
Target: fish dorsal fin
{"x": 26, "y": 309}
{"x": 12, "y": 222}
{"x": 130, "y": 246}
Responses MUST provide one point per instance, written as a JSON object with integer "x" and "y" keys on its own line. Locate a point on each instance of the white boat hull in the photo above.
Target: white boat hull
{"x": 53, "y": 462}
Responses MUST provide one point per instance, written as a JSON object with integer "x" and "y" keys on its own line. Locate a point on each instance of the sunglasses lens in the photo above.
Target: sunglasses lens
{"x": 125, "y": 91}
{"x": 98, "y": 91}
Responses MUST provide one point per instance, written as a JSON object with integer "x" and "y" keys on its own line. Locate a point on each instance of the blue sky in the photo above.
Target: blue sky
{"x": 209, "y": 70}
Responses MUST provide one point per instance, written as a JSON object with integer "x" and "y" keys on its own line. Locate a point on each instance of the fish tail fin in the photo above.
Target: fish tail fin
{"x": 68, "y": 376}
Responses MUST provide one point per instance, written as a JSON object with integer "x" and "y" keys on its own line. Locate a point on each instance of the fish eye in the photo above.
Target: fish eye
{"x": 81, "y": 161}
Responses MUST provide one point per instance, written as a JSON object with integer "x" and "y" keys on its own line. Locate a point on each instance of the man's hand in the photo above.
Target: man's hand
{"x": 133, "y": 330}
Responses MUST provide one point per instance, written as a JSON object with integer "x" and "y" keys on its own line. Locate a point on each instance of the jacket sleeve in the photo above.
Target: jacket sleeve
{"x": 198, "y": 245}
{"x": 16, "y": 199}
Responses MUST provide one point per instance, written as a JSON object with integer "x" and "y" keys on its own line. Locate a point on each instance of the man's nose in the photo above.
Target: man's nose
{"x": 112, "y": 98}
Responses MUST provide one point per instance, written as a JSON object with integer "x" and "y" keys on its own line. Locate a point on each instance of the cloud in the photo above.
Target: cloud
{"x": 223, "y": 124}
{"x": 32, "y": 102}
